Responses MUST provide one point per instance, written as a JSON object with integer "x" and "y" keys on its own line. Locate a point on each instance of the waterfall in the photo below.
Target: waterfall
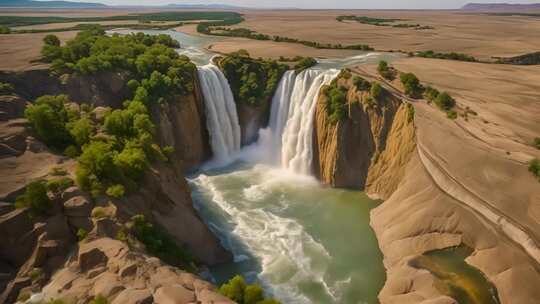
{"x": 221, "y": 115}
{"x": 297, "y": 140}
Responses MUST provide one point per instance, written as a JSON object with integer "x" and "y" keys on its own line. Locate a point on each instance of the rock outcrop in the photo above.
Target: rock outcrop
{"x": 111, "y": 269}
{"x": 367, "y": 150}
{"x": 103, "y": 89}
{"x": 181, "y": 124}
{"x": 252, "y": 118}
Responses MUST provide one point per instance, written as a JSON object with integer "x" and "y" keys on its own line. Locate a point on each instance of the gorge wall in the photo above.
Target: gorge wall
{"x": 368, "y": 149}
{"x": 164, "y": 198}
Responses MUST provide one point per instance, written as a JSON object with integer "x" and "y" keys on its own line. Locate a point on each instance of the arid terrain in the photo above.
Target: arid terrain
{"x": 445, "y": 182}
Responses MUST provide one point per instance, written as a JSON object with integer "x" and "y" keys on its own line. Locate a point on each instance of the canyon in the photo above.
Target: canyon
{"x": 228, "y": 192}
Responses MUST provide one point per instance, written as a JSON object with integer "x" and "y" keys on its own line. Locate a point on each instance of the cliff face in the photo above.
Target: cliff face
{"x": 252, "y": 118}
{"x": 368, "y": 149}
{"x": 181, "y": 124}
{"x": 164, "y": 198}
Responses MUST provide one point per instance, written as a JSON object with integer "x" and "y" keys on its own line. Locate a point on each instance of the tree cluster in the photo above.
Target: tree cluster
{"x": 240, "y": 292}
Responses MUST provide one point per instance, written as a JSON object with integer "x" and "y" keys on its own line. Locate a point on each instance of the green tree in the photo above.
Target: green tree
{"x": 444, "y": 101}
{"x": 51, "y": 40}
{"x": 35, "y": 198}
{"x": 411, "y": 84}
{"x": 4, "y": 29}
{"x": 376, "y": 91}
{"x": 234, "y": 289}
{"x": 48, "y": 117}
{"x": 81, "y": 130}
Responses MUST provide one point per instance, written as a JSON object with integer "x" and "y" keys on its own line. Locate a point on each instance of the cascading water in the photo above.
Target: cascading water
{"x": 221, "y": 115}
{"x": 297, "y": 141}
{"x": 284, "y": 230}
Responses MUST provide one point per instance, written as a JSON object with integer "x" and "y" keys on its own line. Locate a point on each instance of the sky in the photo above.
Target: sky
{"x": 310, "y": 4}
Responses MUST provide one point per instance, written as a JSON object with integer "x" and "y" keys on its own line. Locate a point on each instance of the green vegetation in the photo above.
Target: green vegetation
{"x": 35, "y": 198}
{"x": 430, "y": 94}
{"x": 116, "y": 191}
{"x": 144, "y": 19}
{"x": 159, "y": 243}
{"x": 536, "y": 143}
{"x": 58, "y": 185}
{"x": 450, "y": 56}
{"x": 534, "y": 167}
{"x": 252, "y": 81}
{"x": 36, "y": 274}
{"x": 6, "y": 88}
{"x": 48, "y": 117}
{"x": 386, "y": 71}
{"x": 444, "y": 101}
{"x": 336, "y": 101}
{"x": 304, "y": 63}
{"x": 361, "y": 84}
{"x": 114, "y": 160}
{"x": 410, "y": 113}
{"x": 383, "y": 22}
{"x": 525, "y": 59}
{"x": 4, "y": 30}
{"x": 82, "y": 234}
{"x": 240, "y": 292}
{"x": 215, "y": 30}
{"x": 411, "y": 84}
{"x": 376, "y": 91}
{"x": 99, "y": 299}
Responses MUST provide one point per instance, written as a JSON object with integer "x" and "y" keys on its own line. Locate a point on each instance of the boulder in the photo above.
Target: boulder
{"x": 134, "y": 296}
{"x": 172, "y": 294}
{"x": 92, "y": 258}
{"x": 78, "y": 206}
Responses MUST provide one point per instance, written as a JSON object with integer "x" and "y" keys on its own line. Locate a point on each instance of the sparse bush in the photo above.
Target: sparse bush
{"x": 444, "y": 101}
{"x": 35, "y": 198}
{"x": 240, "y": 292}
{"x": 376, "y": 91}
{"x": 451, "y": 114}
{"x": 99, "y": 299}
{"x": 6, "y": 88}
{"x": 58, "y": 171}
{"x": 411, "y": 85}
{"x": 4, "y": 29}
{"x": 385, "y": 70}
{"x": 36, "y": 274}
{"x": 116, "y": 191}
{"x": 537, "y": 143}
{"x": 430, "y": 94}
{"x": 305, "y": 63}
{"x": 51, "y": 40}
{"x": 159, "y": 243}
{"x": 59, "y": 184}
{"x": 361, "y": 84}
{"x": 82, "y": 234}
{"x": 100, "y": 212}
{"x": 534, "y": 167}
{"x": 410, "y": 113}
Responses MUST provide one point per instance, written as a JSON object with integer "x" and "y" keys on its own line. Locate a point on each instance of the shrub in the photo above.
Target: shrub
{"x": 51, "y": 40}
{"x": 36, "y": 274}
{"x": 59, "y": 184}
{"x": 100, "y": 212}
{"x": 444, "y": 101}
{"x": 430, "y": 94}
{"x": 537, "y": 143}
{"x": 99, "y": 299}
{"x": 82, "y": 234}
{"x": 72, "y": 151}
{"x": 410, "y": 113}
{"x": 451, "y": 114}
{"x": 4, "y": 29}
{"x": 35, "y": 198}
{"x": 81, "y": 130}
{"x": 336, "y": 102}
{"x": 376, "y": 91}
{"x": 411, "y": 84}
{"x": 240, "y": 292}
{"x": 361, "y": 84}
{"x": 48, "y": 117}
{"x": 305, "y": 63}
{"x": 58, "y": 171}
{"x": 160, "y": 243}
{"x": 385, "y": 71}
{"x": 534, "y": 167}
{"x": 6, "y": 88}
{"x": 116, "y": 191}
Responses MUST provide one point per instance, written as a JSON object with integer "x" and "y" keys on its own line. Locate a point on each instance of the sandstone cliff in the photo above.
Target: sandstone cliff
{"x": 368, "y": 149}
{"x": 43, "y": 244}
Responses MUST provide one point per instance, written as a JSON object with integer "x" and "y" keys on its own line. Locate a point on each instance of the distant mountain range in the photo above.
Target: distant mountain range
{"x": 49, "y": 4}
{"x": 205, "y": 6}
{"x": 500, "y": 7}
